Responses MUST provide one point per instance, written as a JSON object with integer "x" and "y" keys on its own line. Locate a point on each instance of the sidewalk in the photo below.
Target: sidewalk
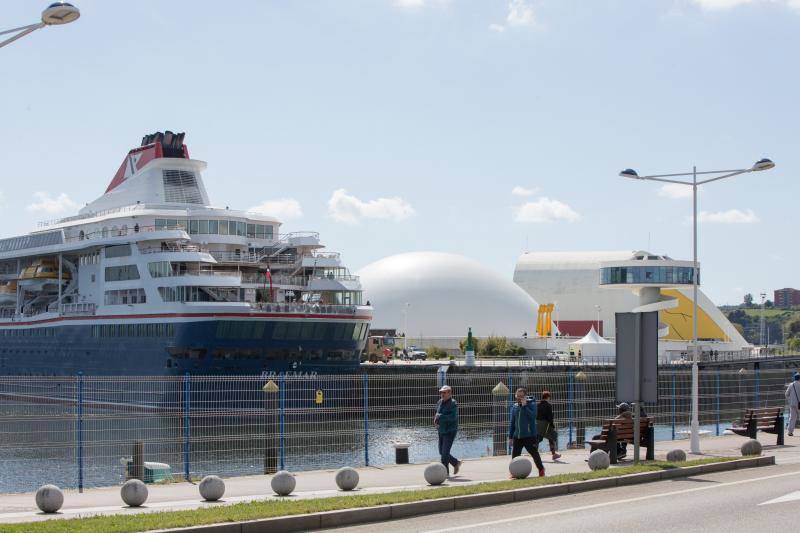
{"x": 320, "y": 483}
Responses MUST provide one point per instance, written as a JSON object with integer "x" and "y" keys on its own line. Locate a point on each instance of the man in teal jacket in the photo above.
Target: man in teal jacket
{"x": 522, "y": 429}
{"x": 446, "y": 421}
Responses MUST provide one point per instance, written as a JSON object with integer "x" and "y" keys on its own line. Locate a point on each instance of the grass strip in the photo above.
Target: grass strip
{"x": 274, "y": 508}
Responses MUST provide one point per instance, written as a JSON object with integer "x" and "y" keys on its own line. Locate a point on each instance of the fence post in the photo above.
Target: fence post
{"x": 717, "y": 402}
{"x": 508, "y": 408}
{"x": 366, "y": 420}
{"x": 80, "y": 431}
{"x": 570, "y": 400}
{"x": 673, "y": 404}
{"x": 187, "y": 428}
{"x": 282, "y": 419}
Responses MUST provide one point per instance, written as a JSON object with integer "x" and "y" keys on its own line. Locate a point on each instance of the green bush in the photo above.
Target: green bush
{"x": 494, "y": 347}
{"x": 434, "y": 352}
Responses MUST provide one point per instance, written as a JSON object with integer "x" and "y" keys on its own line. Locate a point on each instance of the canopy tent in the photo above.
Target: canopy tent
{"x": 593, "y": 347}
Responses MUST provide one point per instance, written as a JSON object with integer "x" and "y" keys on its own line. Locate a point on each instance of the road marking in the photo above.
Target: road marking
{"x": 791, "y": 497}
{"x": 606, "y": 504}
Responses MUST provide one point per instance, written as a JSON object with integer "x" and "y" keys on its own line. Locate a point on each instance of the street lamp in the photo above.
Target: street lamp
{"x": 405, "y": 326}
{"x": 55, "y": 14}
{"x": 761, "y": 164}
{"x": 598, "y": 319}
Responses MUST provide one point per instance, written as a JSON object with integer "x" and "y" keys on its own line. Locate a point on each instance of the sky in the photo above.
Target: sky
{"x": 479, "y": 127}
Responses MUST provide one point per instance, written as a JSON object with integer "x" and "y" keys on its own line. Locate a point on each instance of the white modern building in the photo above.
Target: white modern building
{"x": 588, "y": 288}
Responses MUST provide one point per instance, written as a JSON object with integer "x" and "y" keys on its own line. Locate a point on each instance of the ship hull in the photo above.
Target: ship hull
{"x": 175, "y": 346}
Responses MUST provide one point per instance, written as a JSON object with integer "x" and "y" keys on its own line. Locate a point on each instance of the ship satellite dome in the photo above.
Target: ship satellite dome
{"x": 442, "y": 294}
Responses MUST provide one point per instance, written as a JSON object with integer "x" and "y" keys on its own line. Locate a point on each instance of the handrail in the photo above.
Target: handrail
{"x": 110, "y": 233}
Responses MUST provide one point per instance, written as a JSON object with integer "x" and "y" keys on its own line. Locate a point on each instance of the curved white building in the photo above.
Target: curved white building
{"x": 588, "y": 288}
{"x": 441, "y": 295}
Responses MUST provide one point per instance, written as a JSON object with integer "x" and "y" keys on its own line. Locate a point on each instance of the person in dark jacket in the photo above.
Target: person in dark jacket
{"x": 546, "y": 426}
{"x": 446, "y": 421}
{"x": 522, "y": 429}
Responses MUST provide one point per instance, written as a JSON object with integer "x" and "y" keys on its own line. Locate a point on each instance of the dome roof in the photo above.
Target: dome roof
{"x": 446, "y": 293}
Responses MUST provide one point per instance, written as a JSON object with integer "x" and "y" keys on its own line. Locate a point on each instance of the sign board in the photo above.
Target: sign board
{"x": 637, "y": 354}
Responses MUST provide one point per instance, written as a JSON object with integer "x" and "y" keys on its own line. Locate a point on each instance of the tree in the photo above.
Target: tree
{"x": 748, "y": 300}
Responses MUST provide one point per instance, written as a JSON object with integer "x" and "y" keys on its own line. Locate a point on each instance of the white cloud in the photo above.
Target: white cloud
{"x": 343, "y": 207}
{"x": 675, "y": 191}
{"x": 44, "y": 203}
{"x": 522, "y": 191}
{"x": 2, "y": 199}
{"x": 721, "y": 5}
{"x": 731, "y": 216}
{"x": 282, "y": 209}
{"x": 409, "y": 3}
{"x": 520, "y": 14}
{"x": 545, "y": 210}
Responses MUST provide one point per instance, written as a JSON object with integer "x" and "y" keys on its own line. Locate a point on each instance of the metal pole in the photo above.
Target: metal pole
{"x": 366, "y": 419}
{"x": 510, "y": 405}
{"x": 80, "y": 431}
{"x": 758, "y": 384}
{"x": 186, "y": 424}
{"x": 636, "y": 388}
{"x": 673, "y": 404}
{"x": 695, "y": 433}
{"x": 717, "y": 409}
{"x": 570, "y": 400}
{"x": 282, "y": 419}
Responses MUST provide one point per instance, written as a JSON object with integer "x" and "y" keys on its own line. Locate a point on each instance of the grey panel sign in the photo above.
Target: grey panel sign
{"x": 637, "y": 357}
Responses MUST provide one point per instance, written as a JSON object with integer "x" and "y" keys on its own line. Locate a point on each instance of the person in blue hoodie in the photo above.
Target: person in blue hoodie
{"x": 522, "y": 429}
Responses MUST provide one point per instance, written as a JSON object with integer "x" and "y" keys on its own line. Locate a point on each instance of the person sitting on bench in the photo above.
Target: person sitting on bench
{"x": 624, "y": 411}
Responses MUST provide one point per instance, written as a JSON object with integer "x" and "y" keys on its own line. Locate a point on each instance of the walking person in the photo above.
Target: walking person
{"x": 793, "y": 397}
{"x": 446, "y": 421}
{"x": 546, "y": 426}
{"x": 522, "y": 429}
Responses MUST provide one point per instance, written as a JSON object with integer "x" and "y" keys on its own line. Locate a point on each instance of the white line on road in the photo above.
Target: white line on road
{"x": 615, "y": 502}
{"x": 791, "y": 497}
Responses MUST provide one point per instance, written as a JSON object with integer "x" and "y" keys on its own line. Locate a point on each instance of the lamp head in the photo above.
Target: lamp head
{"x": 763, "y": 164}
{"x": 629, "y": 173}
{"x": 59, "y": 13}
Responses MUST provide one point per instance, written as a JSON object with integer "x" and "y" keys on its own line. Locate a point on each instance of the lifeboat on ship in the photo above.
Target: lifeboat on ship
{"x": 8, "y": 292}
{"x": 42, "y": 275}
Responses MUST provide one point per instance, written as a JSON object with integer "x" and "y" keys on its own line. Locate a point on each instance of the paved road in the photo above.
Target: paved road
{"x": 759, "y": 499}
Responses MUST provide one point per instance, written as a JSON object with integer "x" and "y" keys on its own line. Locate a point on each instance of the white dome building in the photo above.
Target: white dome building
{"x": 443, "y": 295}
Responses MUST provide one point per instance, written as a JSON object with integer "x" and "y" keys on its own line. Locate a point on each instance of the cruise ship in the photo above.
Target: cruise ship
{"x": 150, "y": 280}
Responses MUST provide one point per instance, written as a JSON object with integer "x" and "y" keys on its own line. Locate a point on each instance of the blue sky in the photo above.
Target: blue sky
{"x": 403, "y": 125}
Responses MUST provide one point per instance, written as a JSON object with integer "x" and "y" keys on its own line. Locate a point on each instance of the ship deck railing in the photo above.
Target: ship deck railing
{"x": 306, "y": 308}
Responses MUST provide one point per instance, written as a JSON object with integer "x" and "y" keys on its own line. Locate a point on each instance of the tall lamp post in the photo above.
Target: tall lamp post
{"x": 405, "y": 326}
{"x": 716, "y": 175}
{"x": 55, "y": 14}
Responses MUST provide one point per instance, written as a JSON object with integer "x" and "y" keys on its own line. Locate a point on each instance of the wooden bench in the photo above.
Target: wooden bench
{"x": 766, "y": 419}
{"x": 617, "y": 430}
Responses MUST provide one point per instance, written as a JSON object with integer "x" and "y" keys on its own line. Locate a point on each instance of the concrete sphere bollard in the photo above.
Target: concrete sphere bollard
{"x": 347, "y": 478}
{"x": 49, "y": 498}
{"x": 134, "y": 492}
{"x": 751, "y": 447}
{"x": 676, "y": 456}
{"x": 520, "y": 467}
{"x": 212, "y": 488}
{"x": 283, "y": 483}
{"x": 599, "y": 460}
{"x": 435, "y": 473}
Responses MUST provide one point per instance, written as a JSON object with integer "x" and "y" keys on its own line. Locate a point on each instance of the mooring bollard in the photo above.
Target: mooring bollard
{"x": 499, "y": 420}
{"x": 272, "y": 427}
{"x": 401, "y": 452}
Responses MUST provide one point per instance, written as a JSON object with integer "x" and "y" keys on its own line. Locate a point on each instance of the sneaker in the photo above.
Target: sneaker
{"x": 791, "y": 434}
{"x": 456, "y": 468}
{"x": 541, "y": 472}
{"x": 556, "y": 456}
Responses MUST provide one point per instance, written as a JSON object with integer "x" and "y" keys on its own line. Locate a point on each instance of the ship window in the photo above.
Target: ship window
{"x": 293, "y": 331}
{"x": 122, "y": 273}
{"x": 213, "y": 227}
{"x": 125, "y": 297}
{"x": 31, "y": 241}
{"x": 279, "y": 331}
{"x": 202, "y": 227}
{"x": 223, "y": 227}
{"x": 180, "y": 186}
{"x": 194, "y": 227}
{"x": 319, "y": 330}
{"x": 123, "y": 250}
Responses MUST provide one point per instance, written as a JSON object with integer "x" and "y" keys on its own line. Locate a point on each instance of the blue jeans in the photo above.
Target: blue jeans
{"x": 445, "y": 444}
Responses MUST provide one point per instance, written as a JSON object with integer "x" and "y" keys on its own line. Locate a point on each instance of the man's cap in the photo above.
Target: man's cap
{"x": 624, "y": 406}
{"x": 446, "y": 388}
{"x": 796, "y": 376}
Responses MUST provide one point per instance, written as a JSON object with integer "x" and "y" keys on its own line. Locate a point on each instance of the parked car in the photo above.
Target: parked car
{"x": 415, "y": 355}
{"x": 560, "y": 355}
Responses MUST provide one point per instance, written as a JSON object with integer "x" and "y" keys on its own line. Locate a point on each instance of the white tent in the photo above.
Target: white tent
{"x": 593, "y": 347}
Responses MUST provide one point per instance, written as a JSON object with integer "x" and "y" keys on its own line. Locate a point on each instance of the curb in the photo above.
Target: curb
{"x": 363, "y": 515}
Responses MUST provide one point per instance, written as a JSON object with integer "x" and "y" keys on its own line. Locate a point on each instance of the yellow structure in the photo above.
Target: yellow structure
{"x": 679, "y": 320}
{"x": 544, "y": 320}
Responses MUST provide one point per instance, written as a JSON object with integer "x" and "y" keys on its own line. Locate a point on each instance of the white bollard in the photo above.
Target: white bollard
{"x": 212, "y": 488}
{"x": 520, "y": 467}
{"x": 347, "y": 478}
{"x": 751, "y": 447}
{"x": 283, "y": 483}
{"x": 676, "y": 456}
{"x": 599, "y": 460}
{"x": 49, "y": 498}
{"x": 134, "y": 492}
{"x": 435, "y": 473}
